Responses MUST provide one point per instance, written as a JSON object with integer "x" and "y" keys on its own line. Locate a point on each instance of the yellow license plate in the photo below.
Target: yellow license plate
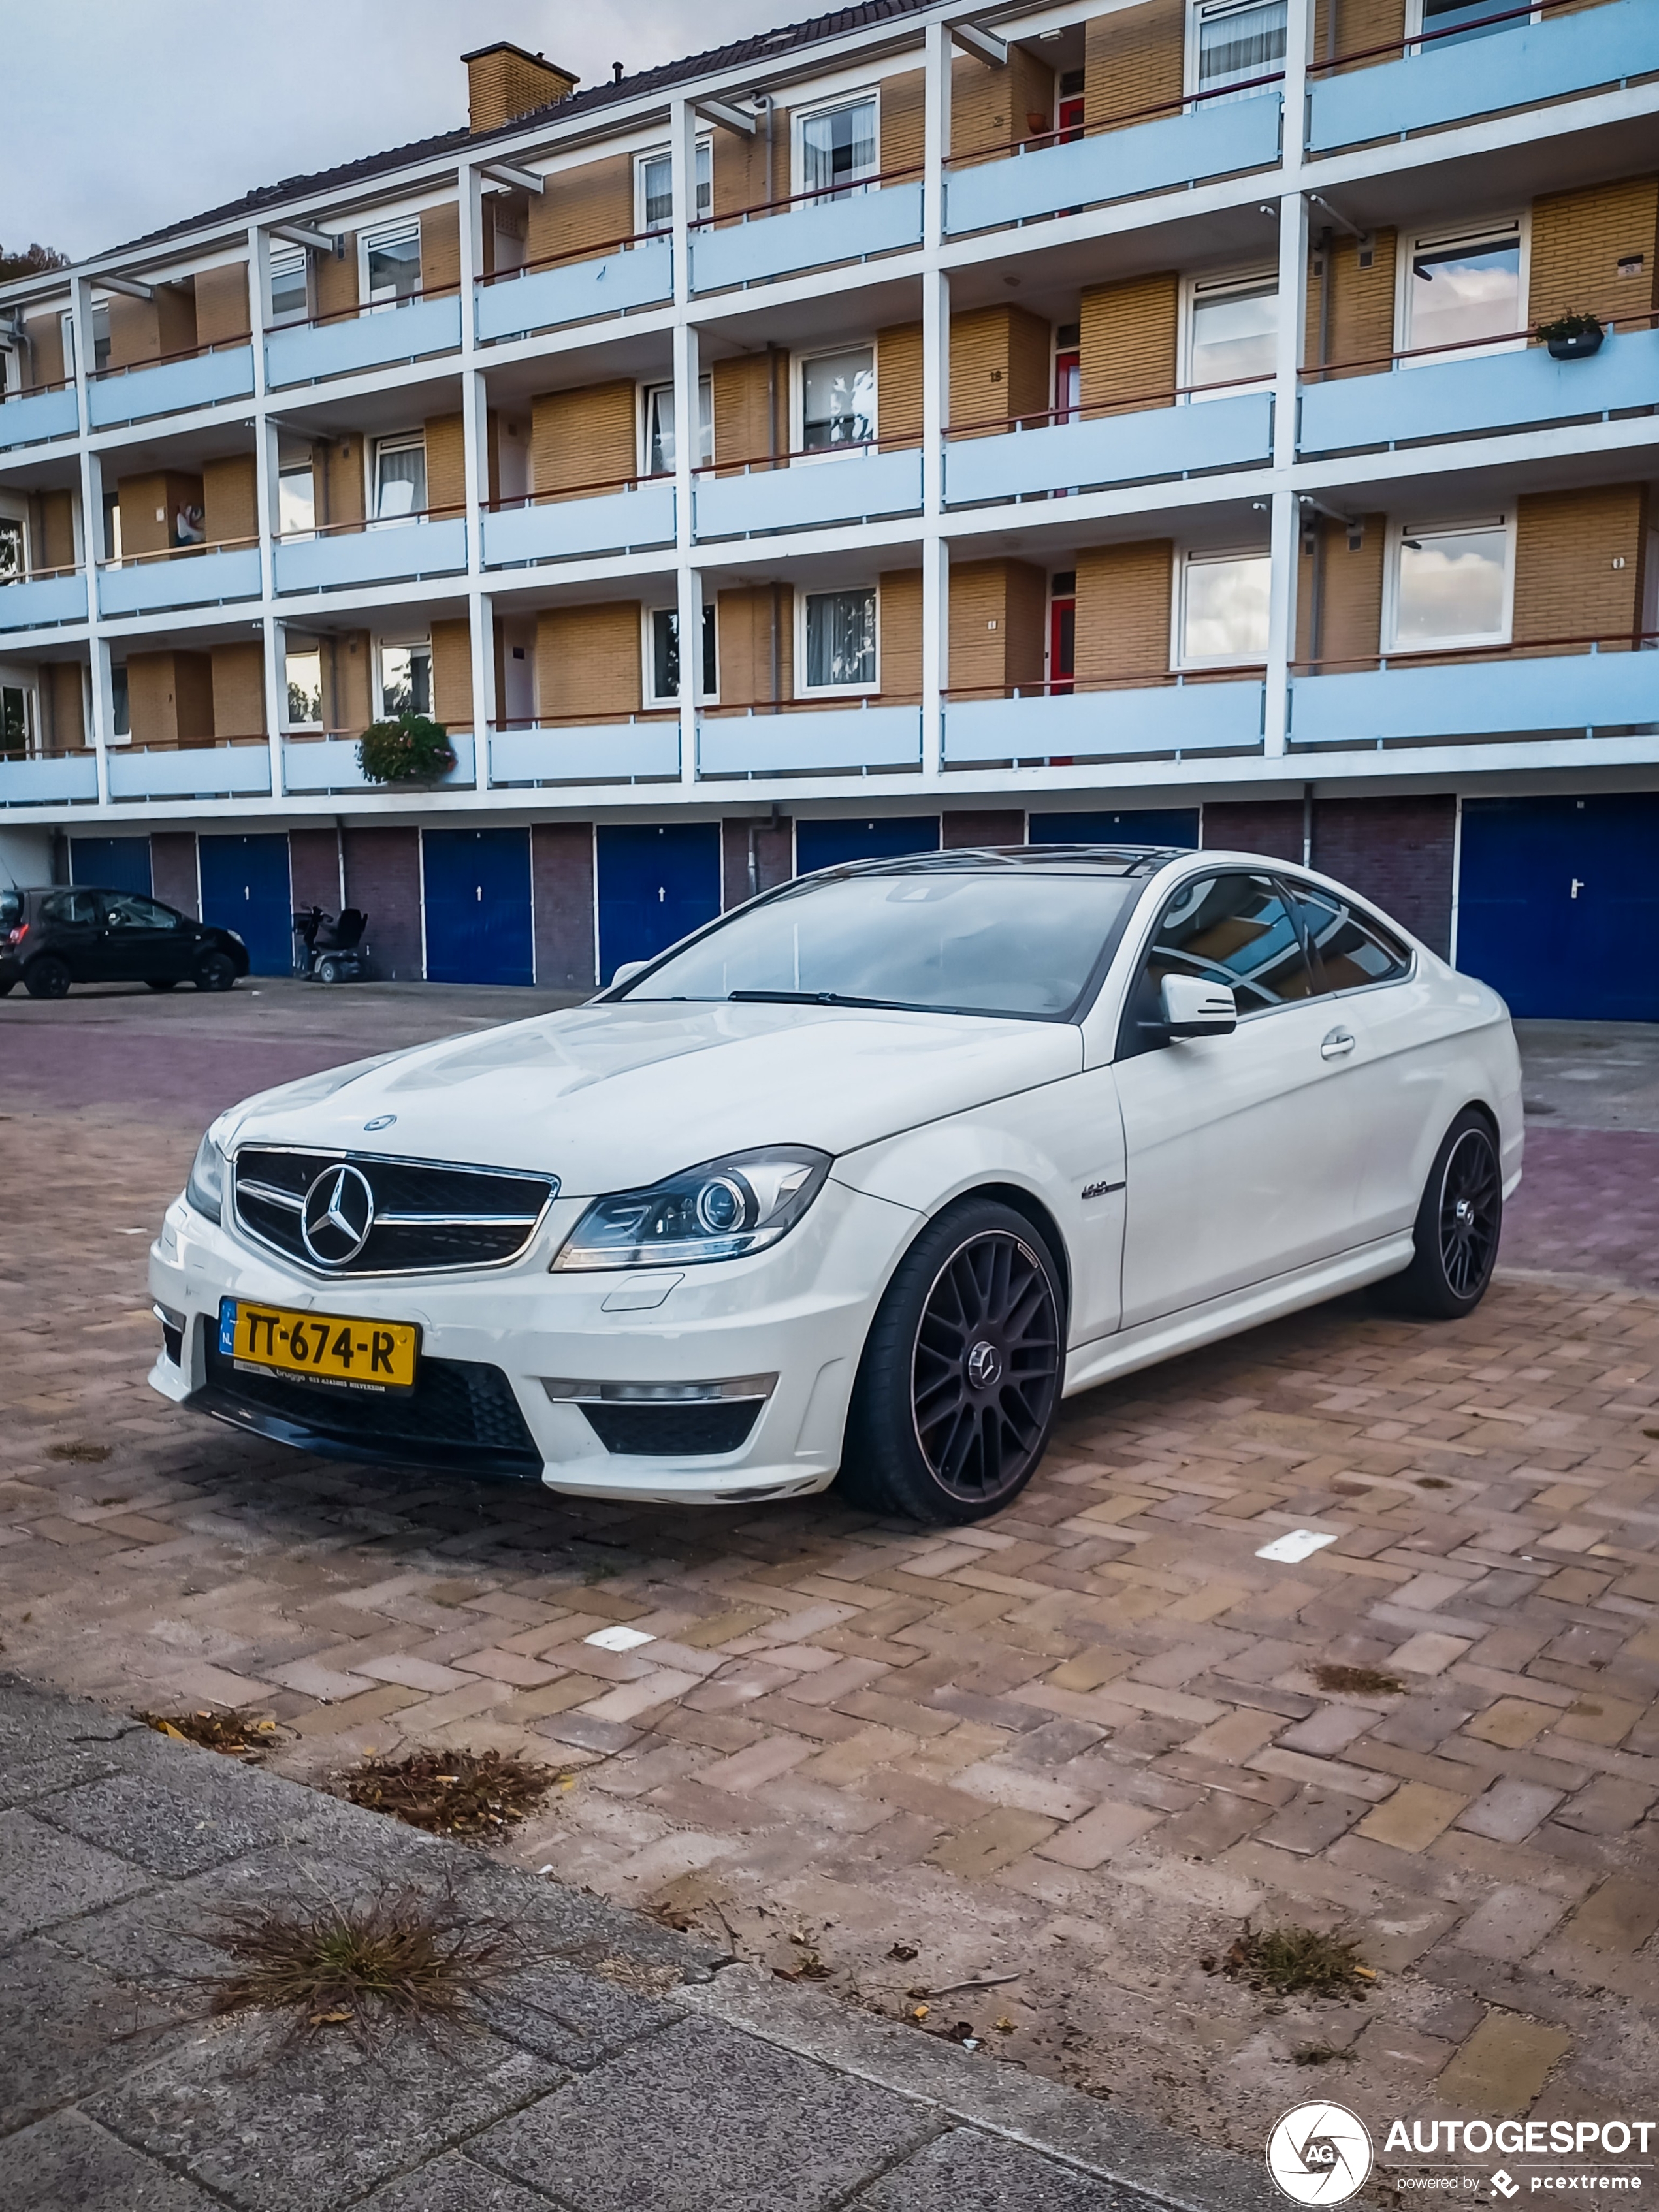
{"x": 350, "y": 1354}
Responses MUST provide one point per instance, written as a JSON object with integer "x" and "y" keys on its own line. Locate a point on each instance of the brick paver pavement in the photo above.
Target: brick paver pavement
{"x": 1076, "y": 1746}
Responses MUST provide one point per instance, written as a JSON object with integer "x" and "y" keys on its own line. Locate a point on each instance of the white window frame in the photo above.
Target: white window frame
{"x": 393, "y": 441}
{"x": 1412, "y": 243}
{"x": 288, "y": 257}
{"x": 648, "y": 393}
{"x": 1400, "y": 529}
{"x": 314, "y": 650}
{"x": 705, "y": 157}
{"x": 29, "y": 687}
{"x": 799, "y": 364}
{"x": 1193, "y": 289}
{"x": 1196, "y": 12}
{"x": 388, "y": 234}
{"x": 868, "y": 95}
{"x": 13, "y": 509}
{"x": 1186, "y": 558}
{"x": 805, "y": 690}
{"x": 1414, "y": 21}
{"x": 649, "y": 693}
{"x": 295, "y": 469}
{"x": 408, "y": 641}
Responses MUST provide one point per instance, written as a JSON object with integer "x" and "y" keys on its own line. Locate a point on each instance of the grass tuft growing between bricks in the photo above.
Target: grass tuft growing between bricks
{"x": 238, "y": 1735}
{"x": 1293, "y": 1961}
{"x": 454, "y": 1793}
{"x": 80, "y": 1452}
{"x": 1358, "y": 1681}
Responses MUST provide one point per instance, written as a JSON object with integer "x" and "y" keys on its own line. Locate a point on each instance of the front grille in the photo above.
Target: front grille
{"x": 426, "y": 1218}
{"x": 673, "y": 1432}
{"x": 460, "y": 1415}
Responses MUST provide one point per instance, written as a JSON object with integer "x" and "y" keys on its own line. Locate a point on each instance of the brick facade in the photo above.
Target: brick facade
{"x": 561, "y": 887}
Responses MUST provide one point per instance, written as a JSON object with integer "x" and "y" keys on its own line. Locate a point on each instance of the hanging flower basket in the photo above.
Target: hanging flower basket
{"x": 1572, "y": 338}
{"x": 411, "y": 750}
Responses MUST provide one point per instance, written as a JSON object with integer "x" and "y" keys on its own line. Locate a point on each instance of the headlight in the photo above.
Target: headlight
{"x": 205, "y": 1191}
{"x": 724, "y": 1210}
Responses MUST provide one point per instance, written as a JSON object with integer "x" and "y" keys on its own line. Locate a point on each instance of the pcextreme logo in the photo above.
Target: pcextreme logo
{"x": 1319, "y": 2154}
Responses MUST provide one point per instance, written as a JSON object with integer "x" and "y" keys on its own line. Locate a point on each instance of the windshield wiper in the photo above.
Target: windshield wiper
{"x": 846, "y": 998}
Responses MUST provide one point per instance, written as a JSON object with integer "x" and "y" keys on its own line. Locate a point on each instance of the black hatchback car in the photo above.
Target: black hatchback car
{"x": 52, "y": 939}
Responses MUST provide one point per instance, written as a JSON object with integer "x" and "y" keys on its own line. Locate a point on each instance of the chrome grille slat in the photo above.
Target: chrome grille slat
{"x": 477, "y": 1217}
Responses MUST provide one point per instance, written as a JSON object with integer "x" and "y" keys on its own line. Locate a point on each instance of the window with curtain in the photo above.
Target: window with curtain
{"x": 392, "y": 265}
{"x": 405, "y": 679}
{"x": 1236, "y": 42}
{"x": 305, "y": 686}
{"x": 1224, "y": 608}
{"x": 14, "y": 558}
{"x": 120, "y": 711}
{"x": 841, "y": 640}
{"x": 838, "y": 149}
{"x": 1462, "y": 288}
{"x": 1451, "y": 584}
{"x": 399, "y": 478}
{"x": 654, "y": 187}
{"x": 838, "y": 400}
{"x": 290, "y": 289}
{"x": 659, "y": 427}
{"x": 1232, "y": 334}
{"x": 663, "y": 646}
{"x": 14, "y": 720}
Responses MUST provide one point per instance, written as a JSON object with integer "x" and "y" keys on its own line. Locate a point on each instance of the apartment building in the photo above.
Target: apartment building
{"x": 931, "y": 423}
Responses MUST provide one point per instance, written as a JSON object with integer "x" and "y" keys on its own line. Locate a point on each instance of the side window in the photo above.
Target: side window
{"x": 1231, "y": 929}
{"x": 73, "y": 907}
{"x": 127, "y": 910}
{"x": 1348, "y": 950}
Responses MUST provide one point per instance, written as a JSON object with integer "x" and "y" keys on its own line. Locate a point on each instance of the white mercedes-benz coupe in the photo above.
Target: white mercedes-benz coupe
{"x": 858, "y": 1182}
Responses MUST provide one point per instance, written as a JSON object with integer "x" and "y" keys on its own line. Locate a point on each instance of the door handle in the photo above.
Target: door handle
{"x": 1335, "y": 1044}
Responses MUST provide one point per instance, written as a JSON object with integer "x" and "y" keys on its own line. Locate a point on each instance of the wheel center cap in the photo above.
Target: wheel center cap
{"x": 1464, "y": 1213}
{"x": 984, "y": 1365}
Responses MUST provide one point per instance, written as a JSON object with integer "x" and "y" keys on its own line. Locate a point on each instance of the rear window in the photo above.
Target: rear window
{"x": 11, "y": 909}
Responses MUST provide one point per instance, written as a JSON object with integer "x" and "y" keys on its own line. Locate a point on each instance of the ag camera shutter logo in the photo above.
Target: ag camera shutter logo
{"x": 1319, "y": 2154}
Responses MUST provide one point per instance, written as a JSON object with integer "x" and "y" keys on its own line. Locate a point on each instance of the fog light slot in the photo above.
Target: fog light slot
{"x": 172, "y": 1334}
{"x": 669, "y": 1420}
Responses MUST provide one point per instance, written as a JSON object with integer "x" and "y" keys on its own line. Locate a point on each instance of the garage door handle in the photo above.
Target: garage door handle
{"x": 1336, "y": 1043}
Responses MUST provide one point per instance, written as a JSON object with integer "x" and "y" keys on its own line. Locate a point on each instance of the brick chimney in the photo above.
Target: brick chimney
{"x": 504, "y": 82}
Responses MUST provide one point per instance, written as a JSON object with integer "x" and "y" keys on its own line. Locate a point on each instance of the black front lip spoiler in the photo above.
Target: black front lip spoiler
{"x": 323, "y": 1443}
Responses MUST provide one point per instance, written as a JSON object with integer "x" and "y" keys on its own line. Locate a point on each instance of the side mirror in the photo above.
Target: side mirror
{"x": 627, "y": 972}
{"x": 1193, "y": 1008}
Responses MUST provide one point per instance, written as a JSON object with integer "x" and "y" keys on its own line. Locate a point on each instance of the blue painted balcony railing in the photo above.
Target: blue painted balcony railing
{"x": 1156, "y": 441}
{"x": 194, "y": 772}
{"x": 1574, "y": 692}
{"x": 187, "y": 580}
{"x": 307, "y": 351}
{"x": 65, "y": 781}
{"x": 201, "y": 380}
{"x": 1512, "y": 65}
{"x": 1109, "y": 165}
{"x": 1215, "y": 715}
{"x": 576, "y": 291}
{"x": 830, "y": 739}
{"x": 40, "y": 600}
{"x": 383, "y": 552}
{"x": 1496, "y": 392}
{"x": 566, "y": 529}
{"x": 37, "y": 415}
{"x": 852, "y": 487}
{"x": 808, "y": 237}
{"x": 330, "y": 764}
{"x": 597, "y": 752}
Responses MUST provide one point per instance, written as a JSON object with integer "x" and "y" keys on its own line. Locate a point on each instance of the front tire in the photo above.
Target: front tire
{"x": 328, "y": 971}
{"x": 960, "y": 1381}
{"x": 1459, "y": 1224}
{"x": 215, "y": 971}
{"x": 48, "y": 978}
{"x": 160, "y": 982}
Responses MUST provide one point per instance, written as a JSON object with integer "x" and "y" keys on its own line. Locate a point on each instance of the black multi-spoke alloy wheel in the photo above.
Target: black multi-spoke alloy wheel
{"x": 215, "y": 971}
{"x": 48, "y": 978}
{"x": 1458, "y": 1225}
{"x": 960, "y": 1381}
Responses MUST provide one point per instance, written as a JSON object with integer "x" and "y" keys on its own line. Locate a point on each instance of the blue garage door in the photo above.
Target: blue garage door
{"x": 1559, "y": 904}
{"x": 656, "y": 884}
{"x": 115, "y": 864}
{"x": 476, "y": 885}
{"x": 244, "y": 887}
{"x": 1144, "y": 825}
{"x": 831, "y": 844}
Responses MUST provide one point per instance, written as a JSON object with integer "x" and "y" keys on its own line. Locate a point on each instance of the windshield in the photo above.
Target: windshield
{"x": 977, "y": 943}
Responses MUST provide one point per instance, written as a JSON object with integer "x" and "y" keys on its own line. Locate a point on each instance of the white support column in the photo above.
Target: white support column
{"x": 92, "y": 531}
{"x": 266, "y": 470}
{"x": 935, "y": 398}
{"x": 1287, "y": 366}
{"x": 687, "y": 441}
{"x": 475, "y": 439}
{"x": 936, "y": 129}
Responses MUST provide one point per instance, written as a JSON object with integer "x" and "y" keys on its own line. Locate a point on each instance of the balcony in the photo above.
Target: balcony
{"x": 805, "y": 232}
{"x": 1446, "y": 76}
{"x": 1530, "y": 693}
{"x": 565, "y": 528}
{"x": 637, "y": 751}
{"x": 825, "y": 740}
{"x": 1471, "y": 397}
{"x": 373, "y": 553}
{"x": 146, "y": 584}
{"x": 1209, "y": 714}
{"x": 364, "y": 337}
{"x": 639, "y": 273}
{"x": 34, "y": 416}
{"x": 330, "y": 763}
{"x": 803, "y": 492}
{"x": 1044, "y": 177}
{"x": 237, "y": 768}
{"x": 167, "y": 388}
{"x": 39, "y": 601}
{"x": 55, "y": 780}
{"x": 1133, "y": 448}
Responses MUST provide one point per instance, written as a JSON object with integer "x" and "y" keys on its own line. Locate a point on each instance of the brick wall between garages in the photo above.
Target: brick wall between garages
{"x": 383, "y": 877}
{"x": 1398, "y": 851}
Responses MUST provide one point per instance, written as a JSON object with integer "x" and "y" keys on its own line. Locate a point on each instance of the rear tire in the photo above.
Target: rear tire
{"x": 960, "y": 1381}
{"x": 7, "y": 984}
{"x": 1459, "y": 1224}
{"x": 215, "y": 971}
{"x": 48, "y": 978}
{"x": 160, "y": 982}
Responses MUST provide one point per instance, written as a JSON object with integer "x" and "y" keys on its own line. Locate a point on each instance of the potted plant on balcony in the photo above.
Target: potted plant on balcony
{"x": 1572, "y": 338}
{"x": 410, "y": 749}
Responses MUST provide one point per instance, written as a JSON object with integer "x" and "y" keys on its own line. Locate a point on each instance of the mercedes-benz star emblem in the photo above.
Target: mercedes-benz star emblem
{"x": 984, "y": 1366}
{"x": 339, "y": 1215}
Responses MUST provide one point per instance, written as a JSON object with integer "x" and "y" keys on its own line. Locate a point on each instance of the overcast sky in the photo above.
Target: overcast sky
{"x": 124, "y": 115}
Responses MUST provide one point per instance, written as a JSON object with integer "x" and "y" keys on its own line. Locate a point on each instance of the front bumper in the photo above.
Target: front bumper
{"x": 793, "y": 1319}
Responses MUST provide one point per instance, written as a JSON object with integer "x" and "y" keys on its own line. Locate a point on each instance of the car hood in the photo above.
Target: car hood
{"x": 612, "y": 1097}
